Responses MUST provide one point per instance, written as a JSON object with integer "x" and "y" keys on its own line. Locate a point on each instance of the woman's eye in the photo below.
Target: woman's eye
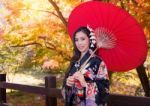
{"x": 82, "y": 38}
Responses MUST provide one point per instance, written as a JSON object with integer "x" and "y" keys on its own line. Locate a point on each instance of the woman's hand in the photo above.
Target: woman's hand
{"x": 63, "y": 92}
{"x": 80, "y": 77}
{"x": 70, "y": 81}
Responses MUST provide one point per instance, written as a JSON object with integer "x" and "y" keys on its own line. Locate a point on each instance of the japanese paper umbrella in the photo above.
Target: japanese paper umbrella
{"x": 131, "y": 48}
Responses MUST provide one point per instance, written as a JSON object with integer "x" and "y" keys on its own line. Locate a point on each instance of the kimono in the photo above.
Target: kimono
{"x": 96, "y": 92}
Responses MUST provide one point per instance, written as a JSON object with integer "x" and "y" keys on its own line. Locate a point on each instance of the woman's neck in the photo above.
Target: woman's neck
{"x": 82, "y": 54}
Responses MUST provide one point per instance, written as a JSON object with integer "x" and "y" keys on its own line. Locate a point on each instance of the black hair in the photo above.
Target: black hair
{"x": 76, "y": 52}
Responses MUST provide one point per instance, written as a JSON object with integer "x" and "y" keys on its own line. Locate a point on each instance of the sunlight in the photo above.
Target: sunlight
{"x": 35, "y": 11}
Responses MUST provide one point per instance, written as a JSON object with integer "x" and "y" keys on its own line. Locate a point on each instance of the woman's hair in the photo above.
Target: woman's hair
{"x": 76, "y": 52}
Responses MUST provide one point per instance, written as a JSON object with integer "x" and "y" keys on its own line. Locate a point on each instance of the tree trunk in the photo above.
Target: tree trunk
{"x": 144, "y": 79}
{"x": 59, "y": 12}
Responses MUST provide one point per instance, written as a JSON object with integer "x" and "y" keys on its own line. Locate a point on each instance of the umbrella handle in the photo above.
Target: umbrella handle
{"x": 84, "y": 64}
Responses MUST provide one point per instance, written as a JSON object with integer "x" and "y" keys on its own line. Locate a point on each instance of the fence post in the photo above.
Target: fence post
{"x": 2, "y": 90}
{"x": 50, "y": 82}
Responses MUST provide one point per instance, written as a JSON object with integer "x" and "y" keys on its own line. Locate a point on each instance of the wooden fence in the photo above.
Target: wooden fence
{"x": 52, "y": 93}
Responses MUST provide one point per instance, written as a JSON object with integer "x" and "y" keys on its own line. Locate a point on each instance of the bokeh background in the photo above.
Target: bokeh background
{"x": 34, "y": 43}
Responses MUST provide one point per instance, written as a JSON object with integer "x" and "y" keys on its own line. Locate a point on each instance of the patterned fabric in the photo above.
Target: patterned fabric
{"x": 96, "y": 92}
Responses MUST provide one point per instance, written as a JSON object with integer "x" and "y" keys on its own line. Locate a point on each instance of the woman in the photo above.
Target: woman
{"x": 90, "y": 86}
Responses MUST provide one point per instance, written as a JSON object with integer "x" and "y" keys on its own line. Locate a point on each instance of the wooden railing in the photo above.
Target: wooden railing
{"x": 49, "y": 90}
{"x": 52, "y": 93}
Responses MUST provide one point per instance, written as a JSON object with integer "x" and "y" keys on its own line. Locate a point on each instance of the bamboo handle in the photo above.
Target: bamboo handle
{"x": 84, "y": 64}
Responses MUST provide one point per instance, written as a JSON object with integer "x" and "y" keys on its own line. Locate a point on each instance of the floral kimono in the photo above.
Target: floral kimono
{"x": 97, "y": 90}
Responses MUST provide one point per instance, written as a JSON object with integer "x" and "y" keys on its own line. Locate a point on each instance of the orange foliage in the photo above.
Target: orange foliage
{"x": 50, "y": 64}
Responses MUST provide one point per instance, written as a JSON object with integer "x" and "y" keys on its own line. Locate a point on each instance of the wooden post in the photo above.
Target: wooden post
{"x": 144, "y": 79}
{"x": 2, "y": 90}
{"x": 50, "y": 82}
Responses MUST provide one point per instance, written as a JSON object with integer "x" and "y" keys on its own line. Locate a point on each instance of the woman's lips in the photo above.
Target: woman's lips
{"x": 80, "y": 47}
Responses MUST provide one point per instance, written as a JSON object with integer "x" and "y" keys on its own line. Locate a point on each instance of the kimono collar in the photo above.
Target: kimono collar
{"x": 84, "y": 58}
{"x": 79, "y": 63}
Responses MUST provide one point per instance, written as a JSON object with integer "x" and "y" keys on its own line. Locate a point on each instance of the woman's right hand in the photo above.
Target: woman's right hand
{"x": 70, "y": 81}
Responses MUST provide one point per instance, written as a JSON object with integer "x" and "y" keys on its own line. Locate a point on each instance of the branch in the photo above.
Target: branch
{"x": 122, "y": 5}
{"x": 148, "y": 13}
{"x": 41, "y": 11}
{"x": 58, "y": 12}
{"x": 28, "y": 44}
{"x": 54, "y": 48}
{"x": 48, "y": 45}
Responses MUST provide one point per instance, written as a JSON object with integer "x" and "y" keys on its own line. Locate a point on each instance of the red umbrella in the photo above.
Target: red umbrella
{"x": 131, "y": 48}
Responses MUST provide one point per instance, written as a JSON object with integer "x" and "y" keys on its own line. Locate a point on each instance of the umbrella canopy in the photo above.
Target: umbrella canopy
{"x": 131, "y": 48}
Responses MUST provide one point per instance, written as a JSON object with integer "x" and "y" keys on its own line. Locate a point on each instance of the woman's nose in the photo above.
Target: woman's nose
{"x": 79, "y": 42}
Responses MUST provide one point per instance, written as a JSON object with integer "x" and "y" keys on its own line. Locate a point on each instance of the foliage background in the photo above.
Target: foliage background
{"x": 34, "y": 38}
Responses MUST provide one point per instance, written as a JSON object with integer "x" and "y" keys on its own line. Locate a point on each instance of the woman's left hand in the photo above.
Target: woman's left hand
{"x": 80, "y": 77}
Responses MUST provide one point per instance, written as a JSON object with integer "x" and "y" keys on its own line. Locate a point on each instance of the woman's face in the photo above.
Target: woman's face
{"x": 82, "y": 42}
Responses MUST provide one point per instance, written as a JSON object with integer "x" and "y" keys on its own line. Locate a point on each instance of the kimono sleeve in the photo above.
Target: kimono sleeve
{"x": 102, "y": 83}
{"x": 97, "y": 89}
